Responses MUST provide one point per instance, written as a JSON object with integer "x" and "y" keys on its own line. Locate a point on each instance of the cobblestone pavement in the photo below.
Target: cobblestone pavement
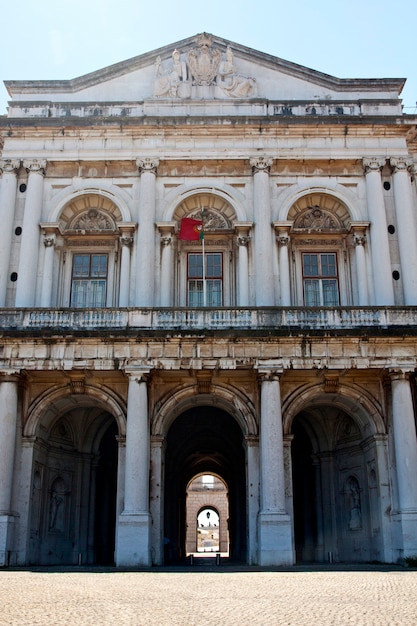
{"x": 209, "y": 596}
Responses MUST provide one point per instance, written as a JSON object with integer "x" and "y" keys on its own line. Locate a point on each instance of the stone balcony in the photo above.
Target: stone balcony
{"x": 276, "y": 320}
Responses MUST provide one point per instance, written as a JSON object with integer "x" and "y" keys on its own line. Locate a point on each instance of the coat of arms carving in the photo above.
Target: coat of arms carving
{"x": 203, "y": 61}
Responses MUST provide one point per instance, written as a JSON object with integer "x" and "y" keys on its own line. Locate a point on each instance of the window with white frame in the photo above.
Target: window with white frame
{"x": 89, "y": 280}
{"x": 320, "y": 279}
{"x": 209, "y": 276}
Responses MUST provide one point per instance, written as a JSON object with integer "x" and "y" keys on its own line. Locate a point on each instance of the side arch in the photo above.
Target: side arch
{"x": 110, "y": 192}
{"x": 295, "y": 193}
{"x": 226, "y": 194}
{"x": 61, "y": 400}
{"x": 354, "y": 400}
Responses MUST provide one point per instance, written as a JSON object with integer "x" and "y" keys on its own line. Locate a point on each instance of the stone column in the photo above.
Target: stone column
{"x": 380, "y": 255}
{"x": 156, "y": 498}
{"x": 242, "y": 230}
{"x": 275, "y": 537}
{"x": 8, "y": 169}
{"x": 8, "y": 425}
{"x": 359, "y": 241}
{"x": 145, "y": 258}
{"x": 29, "y": 247}
{"x": 407, "y": 227}
{"x": 166, "y": 230}
{"x": 264, "y": 276}
{"x": 133, "y": 546}
{"x": 282, "y": 230}
{"x": 126, "y": 241}
{"x": 252, "y": 478}
{"x": 405, "y": 445}
{"x": 120, "y": 489}
{"x": 49, "y": 241}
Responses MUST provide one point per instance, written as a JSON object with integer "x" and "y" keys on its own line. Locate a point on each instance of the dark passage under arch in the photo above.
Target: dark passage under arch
{"x": 203, "y": 440}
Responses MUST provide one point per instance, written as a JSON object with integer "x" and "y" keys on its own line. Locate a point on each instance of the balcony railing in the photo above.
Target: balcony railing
{"x": 187, "y": 319}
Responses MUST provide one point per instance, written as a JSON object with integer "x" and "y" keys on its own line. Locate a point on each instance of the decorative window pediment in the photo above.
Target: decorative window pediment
{"x": 314, "y": 219}
{"x": 212, "y": 220}
{"x": 218, "y": 213}
{"x": 92, "y": 221}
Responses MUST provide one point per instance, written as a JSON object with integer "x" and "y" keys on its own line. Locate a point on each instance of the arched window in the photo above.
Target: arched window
{"x": 90, "y": 229}
{"x": 321, "y": 274}
{"x": 217, "y": 268}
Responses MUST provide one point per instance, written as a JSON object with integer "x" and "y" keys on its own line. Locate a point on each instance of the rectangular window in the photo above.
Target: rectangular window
{"x": 321, "y": 286}
{"x": 89, "y": 280}
{"x": 214, "y": 279}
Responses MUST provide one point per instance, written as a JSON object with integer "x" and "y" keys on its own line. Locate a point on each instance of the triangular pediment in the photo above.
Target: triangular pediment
{"x": 203, "y": 67}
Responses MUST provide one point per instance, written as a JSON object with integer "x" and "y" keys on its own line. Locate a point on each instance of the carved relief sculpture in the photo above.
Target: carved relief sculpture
{"x": 204, "y": 67}
{"x": 172, "y": 82}
{"x": 232, "y": 83}
{"x": 92, "y": 220}
{"x": 204, "y": 61}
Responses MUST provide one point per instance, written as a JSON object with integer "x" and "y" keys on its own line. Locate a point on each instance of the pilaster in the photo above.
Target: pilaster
{"x": 282, "y": 235}
{"x": 243, "y": 238}
{"x": 126, "y": 241}
{"x": 359, "y": 241}
{"x": 166, "y": 231}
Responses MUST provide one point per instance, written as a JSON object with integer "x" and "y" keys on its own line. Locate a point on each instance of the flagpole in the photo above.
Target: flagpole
{"x": 204, "y": 261}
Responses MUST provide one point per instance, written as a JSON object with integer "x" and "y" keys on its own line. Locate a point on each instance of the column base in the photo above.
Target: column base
{"x": 275, "y": 539}
{"x": 408, "y": 524}
{"x": 6, "y": 538}
{"x": 133, "y": 534}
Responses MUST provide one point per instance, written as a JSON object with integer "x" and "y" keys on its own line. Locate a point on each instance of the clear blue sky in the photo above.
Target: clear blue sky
{"x": 46, "y": 39}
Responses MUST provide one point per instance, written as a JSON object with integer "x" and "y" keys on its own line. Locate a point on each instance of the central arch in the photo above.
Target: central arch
{"x": 204, "y": 440}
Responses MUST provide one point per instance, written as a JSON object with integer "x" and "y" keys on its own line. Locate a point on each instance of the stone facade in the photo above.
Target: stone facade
{"x": 277, "y": 353}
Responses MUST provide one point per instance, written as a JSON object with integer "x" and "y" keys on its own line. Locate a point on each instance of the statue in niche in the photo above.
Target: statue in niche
{"x": 232, "y": 83}
{"x": 56, "y": 506}
{"x": 173, "y": 82}
{"x": 354, "y": 504}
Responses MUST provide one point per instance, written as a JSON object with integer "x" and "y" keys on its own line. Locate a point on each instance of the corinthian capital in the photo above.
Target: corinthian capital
{"x": 401, "y": 164}
{"x": 261, "y": 163}
{"x": 9, "y": 165}
{"x": 373, "y": 164}
{"x": 35, "y": 165}
{"x": 147, "y": 165}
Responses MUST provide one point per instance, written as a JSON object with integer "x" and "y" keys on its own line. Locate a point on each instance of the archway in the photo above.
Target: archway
{"x": 336, "y": 513}
{"x": 207, "y": 516}
{"x": 201, "y": 441}
{"x": 73, "y": 503}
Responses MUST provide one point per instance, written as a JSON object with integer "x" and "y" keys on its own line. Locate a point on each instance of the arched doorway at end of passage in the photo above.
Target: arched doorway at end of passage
{"x": 206, "y": 441}
{"x": 207, "y": 516}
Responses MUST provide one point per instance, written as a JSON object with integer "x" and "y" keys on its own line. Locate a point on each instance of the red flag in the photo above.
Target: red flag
{"x": 190, "y": 229}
